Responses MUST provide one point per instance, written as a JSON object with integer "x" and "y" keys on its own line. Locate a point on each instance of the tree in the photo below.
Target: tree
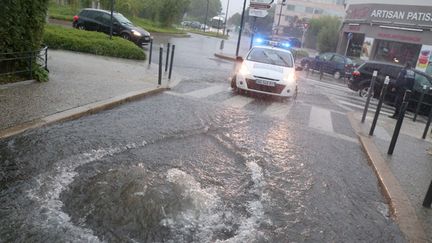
{"x": 323, "y": 33}
{"x": 235, "y": 19}
{"x": 198, "y": 8}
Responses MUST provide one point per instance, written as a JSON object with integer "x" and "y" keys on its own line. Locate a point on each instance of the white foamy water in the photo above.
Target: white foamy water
{"x": 51, "y": 184}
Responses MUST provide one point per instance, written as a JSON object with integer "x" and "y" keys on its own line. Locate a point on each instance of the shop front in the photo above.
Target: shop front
{"x": 389, "y": 33}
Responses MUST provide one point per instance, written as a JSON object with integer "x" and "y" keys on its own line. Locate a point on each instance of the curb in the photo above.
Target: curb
{"x": 81, "y": 111}
{"x": 226, "y": 57}
{"x": 400, "y": 205}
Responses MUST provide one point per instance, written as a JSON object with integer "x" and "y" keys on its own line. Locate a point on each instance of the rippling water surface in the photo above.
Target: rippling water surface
{"x": 177, "y": 172}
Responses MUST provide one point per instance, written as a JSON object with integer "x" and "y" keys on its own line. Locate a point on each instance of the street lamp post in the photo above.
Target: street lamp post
{"x": 111, "y": 23}
{"x": 206, "y": 16}
{"x": 241, "y": 28}
{"x": 226, "y": 17}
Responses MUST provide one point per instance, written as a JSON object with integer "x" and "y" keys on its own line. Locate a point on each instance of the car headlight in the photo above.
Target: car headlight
{"x": 244, "y": 71}
{"x": 136, "y": 33}
{"x": 290, "y": 78}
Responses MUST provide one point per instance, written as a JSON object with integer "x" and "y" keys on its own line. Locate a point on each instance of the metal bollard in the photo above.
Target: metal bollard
{"x": 46, "y": 58}
{"x": 160, "y": 64}
{"x": 398, "y": 126}
{"x": 427, "y": 124}
{"x": 380, "y": 102}
{"x": 222, "y": 45}
{"x": 31, "y": 65}
{"x": 419, "y": 103}
{"x": 171, "y": 63}
{"x": 167, "y": 57}
{"x": 151, "y": 50}
{"x": 428, "y": 198}
{"x": 321, "y": 72}
{"x": 369, "y": 95}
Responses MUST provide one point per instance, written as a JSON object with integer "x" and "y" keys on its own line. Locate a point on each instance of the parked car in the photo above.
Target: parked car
{"x": 195, "y": 24}
{"x": 332, "y": 63}
{"x": 361, "y": 78}
{"x": 100, "y": 20}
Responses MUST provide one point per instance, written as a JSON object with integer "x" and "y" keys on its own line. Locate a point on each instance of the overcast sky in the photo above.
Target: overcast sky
{"x": 235, "y": 6}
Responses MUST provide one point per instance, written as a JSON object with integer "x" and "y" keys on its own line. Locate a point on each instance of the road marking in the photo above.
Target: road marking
{"x": 202, "y": 93}
{"x": 238, "y": 101}
{"x": 278, "y": 110}
{"x": 320, "y": 119}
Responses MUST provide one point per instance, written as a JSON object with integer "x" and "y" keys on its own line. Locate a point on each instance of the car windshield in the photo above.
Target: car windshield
{"x": 122, "y": 19}
{"x": 271, "y": 56}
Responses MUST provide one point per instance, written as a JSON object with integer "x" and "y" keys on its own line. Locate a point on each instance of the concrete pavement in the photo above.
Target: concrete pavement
{"x": 79, "y": 84}
{"x": 404, "y": 176}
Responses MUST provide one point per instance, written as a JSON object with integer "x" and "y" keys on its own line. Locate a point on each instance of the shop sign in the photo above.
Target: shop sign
{"x": 400, "y": 37}
{"x": 424, "y": 62}
{"x": 366, "y": 48}
{"x": 391, "y": 13}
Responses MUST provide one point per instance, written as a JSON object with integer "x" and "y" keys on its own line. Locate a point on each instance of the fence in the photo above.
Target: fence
{"x": 23, "y": 63}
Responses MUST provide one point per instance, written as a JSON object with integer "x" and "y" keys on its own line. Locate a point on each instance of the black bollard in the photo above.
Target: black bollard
{"x": 167, "y": 57}
{"x": 46, "y": 58}
{"x": 222, "y": 44}
{"x": 380, "y": 102}
{"x": 369, "y": 95}
{"x": 428, "y": 198}
{"x": 321, "y": 72}
{"x": 171, "y": 63}
{"x": 420, "y": 101}
{"x": 398, "y": 126}
{"x": 427, "y": 124}
{"x": 150, "y": 50}
{"x": 160, "y": 65}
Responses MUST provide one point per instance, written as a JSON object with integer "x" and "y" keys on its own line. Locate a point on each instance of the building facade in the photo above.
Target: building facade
{"x": 389, "y": 30}
{"x": 288, "y": 12}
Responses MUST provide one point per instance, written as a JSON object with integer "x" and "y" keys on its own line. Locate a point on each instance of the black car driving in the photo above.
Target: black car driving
{"x": 99, "y": 20}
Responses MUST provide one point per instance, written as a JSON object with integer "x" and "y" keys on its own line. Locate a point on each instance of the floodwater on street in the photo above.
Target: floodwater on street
{"x": 178, "y": 168}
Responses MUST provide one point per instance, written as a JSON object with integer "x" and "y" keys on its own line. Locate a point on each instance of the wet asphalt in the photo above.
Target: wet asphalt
{"x": 176, "y": 167}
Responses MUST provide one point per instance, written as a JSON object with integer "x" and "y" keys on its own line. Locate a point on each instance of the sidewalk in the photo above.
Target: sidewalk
{"x": 404, "y": 176}
{"x": 79, "y": 84}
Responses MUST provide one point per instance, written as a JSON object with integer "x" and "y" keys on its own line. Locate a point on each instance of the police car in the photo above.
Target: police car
{"x": 266, "y": 70}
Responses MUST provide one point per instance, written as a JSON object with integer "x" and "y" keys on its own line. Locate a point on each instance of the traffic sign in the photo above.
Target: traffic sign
{"x": 350, "y": 35}
{"x": 260, "y": 4}
{"x": 260, "y": 13}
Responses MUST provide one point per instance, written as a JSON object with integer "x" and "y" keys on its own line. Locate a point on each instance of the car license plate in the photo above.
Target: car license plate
{"x": 265, "y": 82}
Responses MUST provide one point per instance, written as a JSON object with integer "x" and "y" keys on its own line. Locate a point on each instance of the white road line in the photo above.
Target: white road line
{"x": 202, "y": 93}
{"x": 320, "y": 119}
{"x": 238, "y": 101}
{"x": 278, "y": 110}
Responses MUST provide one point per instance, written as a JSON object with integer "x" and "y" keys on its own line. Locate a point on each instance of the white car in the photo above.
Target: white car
{"x": 266, "y": 70}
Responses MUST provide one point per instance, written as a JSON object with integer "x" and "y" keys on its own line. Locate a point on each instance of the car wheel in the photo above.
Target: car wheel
{"x": 337, "y": 75}
{"x": 81, "y": 27}
{"x": 125, "y": 36}
{"x": 363, "y": 92}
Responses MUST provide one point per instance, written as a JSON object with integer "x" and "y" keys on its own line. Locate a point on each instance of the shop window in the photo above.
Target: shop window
{"x": 397, "y": 52}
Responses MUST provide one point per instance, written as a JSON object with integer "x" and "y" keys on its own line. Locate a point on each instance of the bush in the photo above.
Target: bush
{"x": 299, "y": 54}
{"x": 57, "y": 37}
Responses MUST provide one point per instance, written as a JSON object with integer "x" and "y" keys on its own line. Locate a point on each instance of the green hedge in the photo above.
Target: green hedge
{"x": 57, "y": 37}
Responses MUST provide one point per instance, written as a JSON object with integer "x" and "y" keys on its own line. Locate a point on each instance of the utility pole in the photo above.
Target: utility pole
{"x": 206, "y": 16}
{"x": 241, "y": 28}
{"x": 226, "y": 17}
{"x": 280, "y": 14}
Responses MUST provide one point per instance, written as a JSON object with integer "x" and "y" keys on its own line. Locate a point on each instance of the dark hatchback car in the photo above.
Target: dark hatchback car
{"x": 361, "y": 78}
{"x": 332, "y": 63}
{"x": 99, "y": 20}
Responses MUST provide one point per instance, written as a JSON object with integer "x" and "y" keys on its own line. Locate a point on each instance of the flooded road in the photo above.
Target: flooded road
{"x": 198, "y": 163}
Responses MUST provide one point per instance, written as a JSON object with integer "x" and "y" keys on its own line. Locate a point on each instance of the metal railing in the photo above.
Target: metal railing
{"x": 14, "y": 63}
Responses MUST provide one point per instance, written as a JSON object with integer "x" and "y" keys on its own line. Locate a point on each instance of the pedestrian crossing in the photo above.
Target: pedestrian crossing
{"x": 318, "y": 118}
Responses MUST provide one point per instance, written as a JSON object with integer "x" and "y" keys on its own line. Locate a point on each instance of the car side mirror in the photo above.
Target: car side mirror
{"x": 298, "y": 68}
{"x": 239, "y": 59}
